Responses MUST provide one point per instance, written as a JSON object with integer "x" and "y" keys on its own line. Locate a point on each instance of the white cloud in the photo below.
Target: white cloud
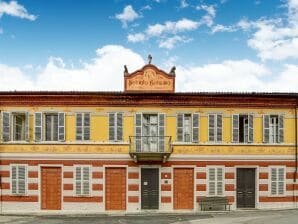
{"x": 138, "y": 37}
{"x": 169, "y": 43}
{"x": 102, "y": 73}
{"x": 220, "y": 28}
{"x": 209, "y": 17}
{"x": 106, "y": 73}
{"x": 13, "y": 8}
{"x": 183, "y": 4}
{"x": 181, "y": 25}
{"x": 128, "y": 15}
{"x": 146, "y": 7}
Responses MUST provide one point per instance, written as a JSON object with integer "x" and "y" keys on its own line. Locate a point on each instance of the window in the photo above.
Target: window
{"x": 115, "y": 126}
{"x": 188, "y": 127}
{"x": 82, "y": 180}
{"x": 215, "y": 127}
{"x": 277, "y": 180}
{"x": 242, "y": 128}
{"x": 150, "y": 132}
{"x": 15, "y": 126}
{"x": 215, "y": 181}
{"x": 51, "y": 121}
{"x": 273, "y": 128}
{"x": 18, "y": 179}
{"x": 49, "y": 126}
{"x": 83, "y": 126}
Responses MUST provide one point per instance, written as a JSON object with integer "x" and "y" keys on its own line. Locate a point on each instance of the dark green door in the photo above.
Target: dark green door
{"x": 246, "y": 187}
{"x": 149, "y": 188}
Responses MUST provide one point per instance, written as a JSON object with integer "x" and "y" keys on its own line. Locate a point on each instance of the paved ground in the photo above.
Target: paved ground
{"x": 238, "y": 217}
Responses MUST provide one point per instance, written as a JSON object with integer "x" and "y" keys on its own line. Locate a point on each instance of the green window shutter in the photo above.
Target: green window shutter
{"x": 119, "y": 126}
{"x": 211, "y": 127}
{"x": 79, "y": 126}
{"x": 179, "y": 127}
{"x": 211, "y": 181}
{"x": 86, "y": 126}
{"x": 195, "y": 127}
{"x": 273, "y": 181}
{"x": 14, "y": 179}
{"x": 78, "y": 180}
{"x": 38, "y": 126}
{"x": 61, "y": 126}
{"x": 112, "y": 127}
{"x": 281, "y": 128}
{"x": 6, "y": 126}
{"x": 250, "y": 128}
{"x": 219, "y": 128}
{"x": 138, "y": 132}
{"x": 161, "y": 132}
{"x": 235, "y": 124}
{"x": 86, "y": 181}
{"x": 27, "y": 137}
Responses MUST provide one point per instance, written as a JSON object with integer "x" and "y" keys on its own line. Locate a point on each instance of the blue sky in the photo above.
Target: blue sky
{"x": 223, "y": 45}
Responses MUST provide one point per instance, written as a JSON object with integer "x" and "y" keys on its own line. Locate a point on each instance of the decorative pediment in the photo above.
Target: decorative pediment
{"x": 149, "y": 79}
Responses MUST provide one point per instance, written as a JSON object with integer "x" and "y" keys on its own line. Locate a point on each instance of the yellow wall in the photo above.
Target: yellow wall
{"x": 99, "y": 121}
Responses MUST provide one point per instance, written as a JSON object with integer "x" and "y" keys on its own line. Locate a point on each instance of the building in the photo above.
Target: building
{"x": 147, "y": 147}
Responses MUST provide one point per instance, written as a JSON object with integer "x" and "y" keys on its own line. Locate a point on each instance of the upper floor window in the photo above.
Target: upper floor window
{"x": 188, "y": 127}
{"x": 49, "y": 126}
{"x": 215, "y": 127}
{"x": 15, "y": 126}
{"x": 150, "y": 132}
{"x": 242, "y": 128}
{"x": 273, "y": 128}
{"x": 83, "y": 126}
{"x": 116, "y": 126}
{"x": 18, "y": 177}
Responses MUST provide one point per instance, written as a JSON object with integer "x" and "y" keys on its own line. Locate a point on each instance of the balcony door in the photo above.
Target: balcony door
{"x": 150, "y": 133}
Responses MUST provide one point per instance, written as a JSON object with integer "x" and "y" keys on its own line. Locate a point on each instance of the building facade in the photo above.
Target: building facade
{"x": 147, "y": 147}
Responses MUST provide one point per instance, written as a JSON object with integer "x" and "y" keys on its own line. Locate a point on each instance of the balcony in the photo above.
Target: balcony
{"x": 150, "y": 148}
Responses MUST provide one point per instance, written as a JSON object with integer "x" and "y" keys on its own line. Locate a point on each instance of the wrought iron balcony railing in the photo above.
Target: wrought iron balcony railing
{"x": 150, "y": 147}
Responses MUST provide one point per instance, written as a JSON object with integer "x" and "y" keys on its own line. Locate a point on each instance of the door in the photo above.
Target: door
{"x": 150, "y": 132}
{"x": 149, "y": 188}
{"x": 246, "y": 188}
{"x": 183, "y": 188}
{"x": 51, "y": 188}
{"x": 115, "y": 188}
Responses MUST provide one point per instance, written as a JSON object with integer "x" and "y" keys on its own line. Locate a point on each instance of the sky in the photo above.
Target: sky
{"x": 216, "y": 45}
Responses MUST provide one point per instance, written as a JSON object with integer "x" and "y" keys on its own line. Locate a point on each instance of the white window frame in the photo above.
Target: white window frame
{"x": 81, "y": 181}
{"x": 215, "y": 127}
{"x": 277, "y": 188}
{"x": 83, "y": 126}
{"x": 44, "y": 126}
{"x": 216, "y": 181}
{"x": 116, "y": 127}
{"x": 26, "y": 180}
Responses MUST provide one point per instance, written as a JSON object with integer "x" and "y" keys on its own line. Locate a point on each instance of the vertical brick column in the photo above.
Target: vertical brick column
{"x": 166, "y": 188}
{"x": 133, "y": 189}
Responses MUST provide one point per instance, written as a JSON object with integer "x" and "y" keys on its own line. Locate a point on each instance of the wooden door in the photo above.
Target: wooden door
{"x": 183, "y": 188}
{"x": 149, "y": 188}
{"x": 246, "y": 188}
{"x": 115, "y": 188}
{"x": 51, "y": 188}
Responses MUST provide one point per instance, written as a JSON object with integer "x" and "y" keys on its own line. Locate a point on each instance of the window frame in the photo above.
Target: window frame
{"x": 216, "y": 127}
{"x": 216, "y": 181}
{"x": 82, "y": 181}
{"x": 83, "y": 126}
{"x": 17, "y": 180}
{"x": 277, "y": 188}
{"x": 116, "y": 127}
